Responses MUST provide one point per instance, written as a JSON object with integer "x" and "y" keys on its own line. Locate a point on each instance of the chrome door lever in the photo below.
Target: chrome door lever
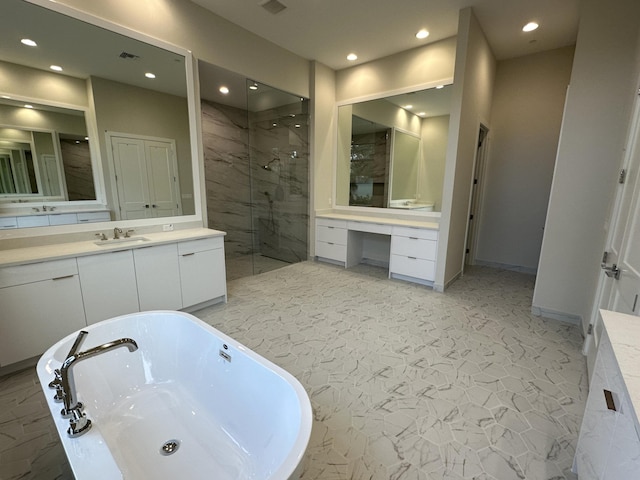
{"x": 612, "y": 272}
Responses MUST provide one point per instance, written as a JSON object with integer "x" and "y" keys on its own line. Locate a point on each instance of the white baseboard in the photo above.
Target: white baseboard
{"x": 554, "y": 315}
{"x": 506, "y": 266}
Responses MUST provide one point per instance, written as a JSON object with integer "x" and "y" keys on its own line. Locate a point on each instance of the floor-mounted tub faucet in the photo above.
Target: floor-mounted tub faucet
{"x": 65, "y": 385}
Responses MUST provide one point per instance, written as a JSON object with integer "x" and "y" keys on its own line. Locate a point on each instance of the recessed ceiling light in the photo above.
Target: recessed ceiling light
{"x": 274, "y": 124}
{"x": 352, "y": 57}
{"x": 28, "y": 106}
{"x": 253, "y": 87}
{"x": 223, "y": 90}
{"x": 530, "y": 27}
{"x": 150, "y": 75}
{"x": 86, "y": 138}
{"x": 422, "y": 114}
{"x": 408, "y": 106}
{"x": 28, "y": 42}
{"x": 439, "y": 87}
{"x": 297, "y": 125}
{"x": 6, "y": 96}
{"x": 56, "y": 68}
{"x": 422, "y": 34}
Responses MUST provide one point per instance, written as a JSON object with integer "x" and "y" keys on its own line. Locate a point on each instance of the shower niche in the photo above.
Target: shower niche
{"x": 256, "y": 159}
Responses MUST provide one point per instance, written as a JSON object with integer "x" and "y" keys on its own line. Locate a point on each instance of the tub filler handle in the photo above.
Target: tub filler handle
{"x": 64, "y": 383}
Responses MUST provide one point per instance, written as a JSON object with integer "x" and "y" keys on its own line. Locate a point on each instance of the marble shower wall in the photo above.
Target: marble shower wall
{"x": 263, "y": 210}
{"x": 225, "y": 136}
{"x": 78, "y": 173}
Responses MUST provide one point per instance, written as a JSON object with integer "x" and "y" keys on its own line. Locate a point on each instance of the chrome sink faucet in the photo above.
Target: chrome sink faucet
{"x": 116, "y": 233}
{"x": 65, "y": 385}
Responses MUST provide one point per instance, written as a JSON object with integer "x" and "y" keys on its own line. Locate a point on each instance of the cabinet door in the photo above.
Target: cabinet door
{"x": 36, "y": 315}
{"x": 158, "y": 277}
{"x": 108, "y": 285}
{"x": 202, "y": 275}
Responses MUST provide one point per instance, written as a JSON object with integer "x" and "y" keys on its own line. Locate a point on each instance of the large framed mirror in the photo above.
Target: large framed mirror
{"x": 392, "y": 151}
{"x": 94, "y": 117}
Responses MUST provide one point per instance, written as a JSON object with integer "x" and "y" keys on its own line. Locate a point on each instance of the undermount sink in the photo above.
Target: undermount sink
{"x": 118, "y": 241}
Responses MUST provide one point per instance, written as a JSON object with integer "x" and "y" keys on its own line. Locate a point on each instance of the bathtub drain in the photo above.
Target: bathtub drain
{"x": 169, "y": 447}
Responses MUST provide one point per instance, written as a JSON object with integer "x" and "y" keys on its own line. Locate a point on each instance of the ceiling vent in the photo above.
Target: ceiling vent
{"x": 273, "y": 6}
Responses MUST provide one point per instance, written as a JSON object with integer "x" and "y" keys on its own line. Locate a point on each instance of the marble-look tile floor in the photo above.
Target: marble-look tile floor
{"x": 405, "y": 383}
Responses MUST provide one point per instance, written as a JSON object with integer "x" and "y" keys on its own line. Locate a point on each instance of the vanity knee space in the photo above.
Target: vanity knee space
{"x": 411, "y": 251}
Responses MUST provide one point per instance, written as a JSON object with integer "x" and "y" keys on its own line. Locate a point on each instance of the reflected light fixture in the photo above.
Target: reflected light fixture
{"x": 530, "y": 27}
{"x": 422, "y": 34}
{"x": 352, "y": 57}
{"x": 28, "y": 106}
{"x": 150, "y": 75}
{"x": 253, "y": 87}
{"x": 56, "y": 68}
{"x": 28, "y": 42}
{"x": 223, "y": 90}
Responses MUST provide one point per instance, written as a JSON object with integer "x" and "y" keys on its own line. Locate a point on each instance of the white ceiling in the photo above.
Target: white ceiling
{"x": 327, "y": 30}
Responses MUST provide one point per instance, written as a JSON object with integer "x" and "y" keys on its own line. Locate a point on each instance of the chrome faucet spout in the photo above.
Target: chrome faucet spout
{"x": 66, "y": 371}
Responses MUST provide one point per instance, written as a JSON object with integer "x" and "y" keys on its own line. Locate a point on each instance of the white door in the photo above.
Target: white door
{"x": 163, "y": 179}
{"x": 619, "y": 286}
{"x": 146, "y": 177}
{"x": 131, "y": 177}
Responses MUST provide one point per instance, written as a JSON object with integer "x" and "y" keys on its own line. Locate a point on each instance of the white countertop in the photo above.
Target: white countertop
{"x": 20, "y": 256}
{"x": 624, "y": 332}
{"x": 403, "y": 222}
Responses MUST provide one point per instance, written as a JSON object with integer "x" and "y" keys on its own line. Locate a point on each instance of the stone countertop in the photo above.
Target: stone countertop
{"x": 624, "y": 332}
{"x": 402, "y": 222}
{"x": 21, "y": 256}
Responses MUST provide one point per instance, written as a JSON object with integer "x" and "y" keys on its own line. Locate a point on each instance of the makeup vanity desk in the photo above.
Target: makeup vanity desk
{"x": 406, "y": 246}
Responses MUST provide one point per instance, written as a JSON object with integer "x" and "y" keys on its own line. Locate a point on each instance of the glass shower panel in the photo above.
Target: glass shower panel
{"x": 279, "y": 163}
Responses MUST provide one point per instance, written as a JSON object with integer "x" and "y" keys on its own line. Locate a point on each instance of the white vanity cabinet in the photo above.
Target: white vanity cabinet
{"x": 413, "y": 253}
{"x": 41, "y": 303}
{"x": 408, "y": 248}
{"x": 609, "y": 444}
{"x": 202, "y": 270}
{"x": 331, "y": 239}
{"x": 108, "y": 284}
{"x": 158, "y": 277}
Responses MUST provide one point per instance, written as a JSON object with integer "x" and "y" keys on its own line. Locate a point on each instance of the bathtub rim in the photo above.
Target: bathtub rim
{"x": 47, "y": 362}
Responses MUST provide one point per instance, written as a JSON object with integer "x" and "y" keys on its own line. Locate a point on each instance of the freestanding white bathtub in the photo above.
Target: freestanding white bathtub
{"x": 233, "y": 415}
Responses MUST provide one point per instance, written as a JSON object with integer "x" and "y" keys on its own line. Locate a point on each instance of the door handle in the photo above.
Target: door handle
{"x": 612, "y": 272}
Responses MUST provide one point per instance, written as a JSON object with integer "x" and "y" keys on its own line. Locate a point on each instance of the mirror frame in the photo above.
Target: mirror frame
{"x": 198, "y": 219}
{"x": 377, "y": 210}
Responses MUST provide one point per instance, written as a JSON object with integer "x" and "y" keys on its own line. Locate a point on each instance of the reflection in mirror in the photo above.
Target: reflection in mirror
{"x": 105, "y": 89}
{"x": 47, "y": 166}
{"x": 392, "y": 151}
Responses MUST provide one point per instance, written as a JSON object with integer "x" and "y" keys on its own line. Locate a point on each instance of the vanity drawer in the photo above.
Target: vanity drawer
{"x": 63, "y": 219}
{"x": 93, "y": 217}
{"x": 200, "y": 245}
{"x": 8, "y": 222}
{"x": 331, "y": 234}
{"x": 413, "y": 267}
{"x": 331, "y": 222}
{"x": 34, "y": 221}
{"x": 414, "y": 232}
{"x": 370, "y": 227}
{"x": 332, "y": 251}
{"x": 414, "y": 247}
{"x": 36, "y": 272}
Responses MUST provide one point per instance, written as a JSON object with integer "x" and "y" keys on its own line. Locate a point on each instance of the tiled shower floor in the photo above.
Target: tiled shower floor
{"x": 405, "y": 383}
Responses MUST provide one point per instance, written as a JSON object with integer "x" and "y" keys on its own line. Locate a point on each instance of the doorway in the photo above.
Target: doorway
{"x": 474, "y": 202}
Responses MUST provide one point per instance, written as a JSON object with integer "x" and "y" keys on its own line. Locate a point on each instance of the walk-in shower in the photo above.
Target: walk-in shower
{"x": 256, "y": 152}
